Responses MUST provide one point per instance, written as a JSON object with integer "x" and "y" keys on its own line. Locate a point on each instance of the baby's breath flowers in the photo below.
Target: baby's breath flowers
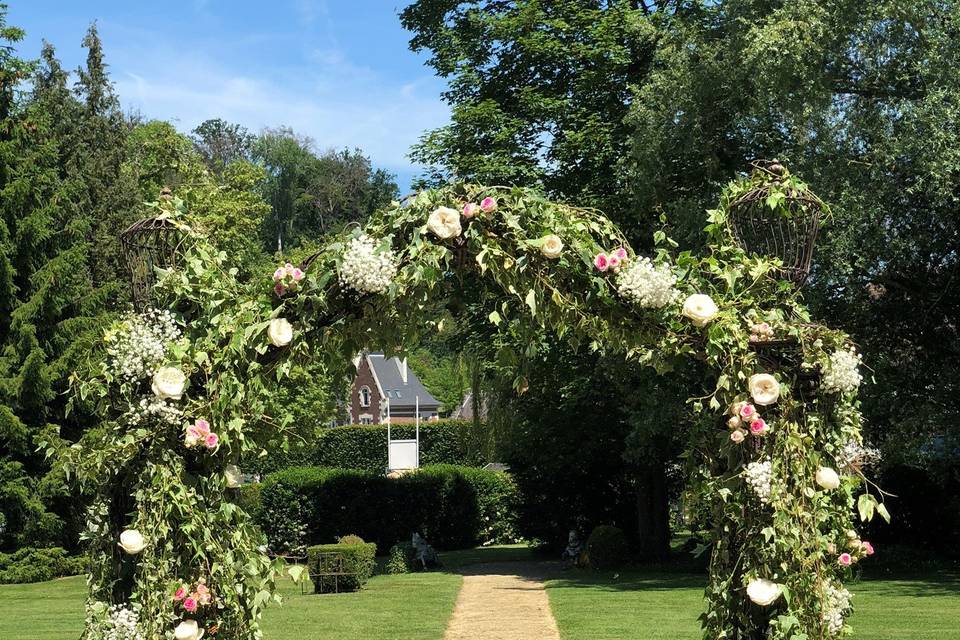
{"x": 138, "y": 344}
{"x": 836, "y": 606}
{"x": 365, "y": 268}
{"x": 647, "y": 285}
{"x": 121, "y": 624}
{"x": 759, "y": 476}
{"x": 153, "y": 410}
{"x": 842, "y": 374}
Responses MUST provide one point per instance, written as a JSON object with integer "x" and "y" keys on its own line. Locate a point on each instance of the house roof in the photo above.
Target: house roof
{"x": 389, "y": 376}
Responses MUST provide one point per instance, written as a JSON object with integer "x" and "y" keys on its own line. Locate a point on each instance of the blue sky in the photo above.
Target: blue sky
{"x": 338, "y": 71}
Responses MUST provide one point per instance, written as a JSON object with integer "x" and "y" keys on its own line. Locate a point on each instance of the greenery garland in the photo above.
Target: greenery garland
{"x": 184, "y": 396}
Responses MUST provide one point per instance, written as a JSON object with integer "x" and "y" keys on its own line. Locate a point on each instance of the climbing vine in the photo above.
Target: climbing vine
{"x": 183, "y": 393}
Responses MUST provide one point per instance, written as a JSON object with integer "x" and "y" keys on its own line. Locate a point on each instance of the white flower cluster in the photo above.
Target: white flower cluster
{"x": 121, "y": 624}
{"x": 153, "y": 409}
{"x": 139, "y": 344}
{"x": 842, "y": 374}
{"x": 759, "y": 476}
{"x": 366, "y": 270}
{"x": 836, "y": 605}
{"x": 856, "y": 455}
{"x": 648, "y": 285}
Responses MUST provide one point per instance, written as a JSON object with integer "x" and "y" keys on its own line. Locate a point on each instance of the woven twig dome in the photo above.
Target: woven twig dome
{"x": 149, "y": 244}
{"x": 788, "y": 230}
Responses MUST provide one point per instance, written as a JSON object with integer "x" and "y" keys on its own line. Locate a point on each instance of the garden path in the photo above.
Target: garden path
{"x": 503, "y": 601}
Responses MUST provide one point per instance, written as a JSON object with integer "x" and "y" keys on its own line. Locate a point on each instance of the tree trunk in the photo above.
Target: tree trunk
{"x": 653, "y": 513}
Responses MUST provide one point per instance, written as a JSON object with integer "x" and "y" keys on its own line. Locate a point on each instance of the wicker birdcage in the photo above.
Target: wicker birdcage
{"x": 147, "y": 245}
{"x": 788, "y": 232}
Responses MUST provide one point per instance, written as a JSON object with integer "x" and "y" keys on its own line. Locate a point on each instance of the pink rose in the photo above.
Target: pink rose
{"x": 621, "y": 253}
{"x": 470, "y": 210}
{"x": 758, "y": 427}
{"x": 279, "y": 274}
{"x": 736, "y": 407}
{"x": 748, "y": 411}
{"x": 845, "y": 559}
{"x": 488, "y": 204}
{"x": 203, "y": 593}
{"x": 279, "y": 289}
{"x": 190, "y": 604}
{"x": 212, "y": 441}
{"x": 289, "y": 268}
{"x": 180, "y": 594}
{"x": 298, "y": 274}
{"x": 203, "y": 427}
{"x": 736, "y": 436}
{"x": 601, "y": 262}
{"x": 867, "y": 548}
{"x": 614, "y": 261}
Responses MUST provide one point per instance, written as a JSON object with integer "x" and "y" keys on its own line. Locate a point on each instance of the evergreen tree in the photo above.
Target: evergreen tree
{"x": 53, "y": 306}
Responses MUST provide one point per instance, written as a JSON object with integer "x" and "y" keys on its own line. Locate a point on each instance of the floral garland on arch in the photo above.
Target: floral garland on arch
{"x": 183, "y": 394}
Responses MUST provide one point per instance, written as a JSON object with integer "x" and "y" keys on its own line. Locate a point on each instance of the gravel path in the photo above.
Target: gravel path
{"x": 503, "y": 602}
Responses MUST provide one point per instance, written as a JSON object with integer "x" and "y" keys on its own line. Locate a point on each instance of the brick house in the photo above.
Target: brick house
{"x": 381, "y": 380}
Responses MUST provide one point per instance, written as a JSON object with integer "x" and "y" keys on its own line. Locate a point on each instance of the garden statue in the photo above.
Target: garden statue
{"x": 574, "y": 547}
{"x": 425, "y": 554}
{"x": 183, "y": 387}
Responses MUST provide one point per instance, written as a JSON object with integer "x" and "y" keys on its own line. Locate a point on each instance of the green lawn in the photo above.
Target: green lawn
{"x": 664, "y": 605}
{"x": 647, "y": 604}
{"x": 407, "y": 607}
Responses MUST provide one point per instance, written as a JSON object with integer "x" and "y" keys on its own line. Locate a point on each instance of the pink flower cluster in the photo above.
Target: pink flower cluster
{"x": 199, "y": 433}
{"x": 859, "y": 549}
{"x": 761, "y": 332}
{"x": 193, "y": 600}
{"x": 610, "y": 261}
{"x": 487, "y": 205}
{"x": 287, "y": 278}
{"x": 744, "y": 418}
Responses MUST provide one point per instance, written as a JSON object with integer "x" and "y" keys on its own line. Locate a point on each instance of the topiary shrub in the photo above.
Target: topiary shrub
{"x": 351, "y": 539}
{"x": 39, "y": 565}
{"x": 606, "y": 547}
{"x": 402, "y": 559}
{"x": 358, "y": 562}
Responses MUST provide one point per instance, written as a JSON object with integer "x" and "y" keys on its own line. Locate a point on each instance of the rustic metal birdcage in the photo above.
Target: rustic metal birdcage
{"x": 147, "y": 245}
{"x": 788, "y": 232}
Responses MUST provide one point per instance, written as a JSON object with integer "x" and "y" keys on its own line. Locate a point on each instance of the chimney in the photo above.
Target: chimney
{"x": 403, "y": 370}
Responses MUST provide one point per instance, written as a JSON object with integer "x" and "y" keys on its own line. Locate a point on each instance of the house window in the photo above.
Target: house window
{"x": 364, "y": 396}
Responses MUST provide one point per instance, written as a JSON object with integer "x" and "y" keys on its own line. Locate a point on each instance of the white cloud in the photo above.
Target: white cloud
{"x": 326, "y": 96}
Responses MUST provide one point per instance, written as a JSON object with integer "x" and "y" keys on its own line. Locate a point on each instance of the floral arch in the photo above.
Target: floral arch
{"x": 183, "y": 392}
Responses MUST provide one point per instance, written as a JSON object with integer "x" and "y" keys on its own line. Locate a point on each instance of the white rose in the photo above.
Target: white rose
{"x": 763, "y": 592}
{"x": 280, "y": 332}
{"x": 234, "y": 478}
{"x": 444, "y": 222}
{"x": 552, "y": 246}
{"x": 168, "y": 382}
{"x": 188, "y": 630}
{"x": 827, "y": 478}
{"x": 700, "y": 308}
{"x": 132, "y": 542}
{"x": 764, "y": 389}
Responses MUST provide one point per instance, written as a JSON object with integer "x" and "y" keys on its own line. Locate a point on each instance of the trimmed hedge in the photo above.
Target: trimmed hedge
{"x": 359, "y": 559}
{"x": 39, "y": 565}
{"x": 453, "y": 507}
{"x": 364, "y": 447}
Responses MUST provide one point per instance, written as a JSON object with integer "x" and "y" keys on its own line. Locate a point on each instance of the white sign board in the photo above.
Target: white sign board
{"x": 402, "y": 454}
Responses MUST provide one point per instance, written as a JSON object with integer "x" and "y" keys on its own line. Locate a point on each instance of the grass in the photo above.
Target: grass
{"x": 664, "y": 605}
{"x": 920, "y": 603}
{"x": 404, "y": 607}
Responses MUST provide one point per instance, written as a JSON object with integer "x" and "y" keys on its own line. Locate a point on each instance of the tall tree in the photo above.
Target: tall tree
{"x": 220, "y": 143}
{"x": 110, "y": 197}
{"x": 314, "y": 195}
{"x": 54, "y": 307}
